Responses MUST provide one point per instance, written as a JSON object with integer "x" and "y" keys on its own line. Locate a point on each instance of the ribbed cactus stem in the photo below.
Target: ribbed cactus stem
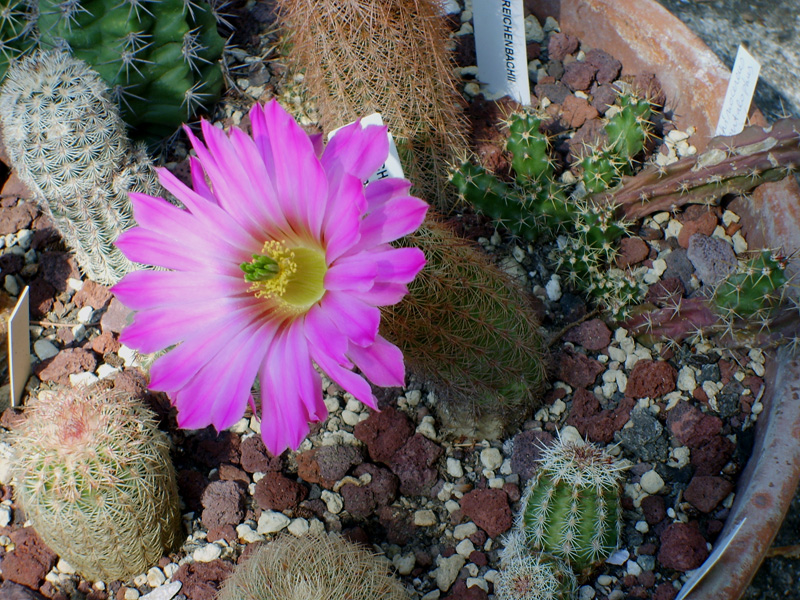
{"x": 730, "y": 164}
{"x": 93, "y": 475}
{"x": 67, "y": 143}
{"x": 571, "y": 508}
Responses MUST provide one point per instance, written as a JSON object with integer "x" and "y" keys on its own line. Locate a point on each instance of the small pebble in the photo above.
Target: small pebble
{"x": 131, "y": 594}
{"x": 424, "y": 518}
{"x": 333, "y": 501}
{"x": 404, "y": 563}
{"x": 605, "y": 580}
{"x": 478, "y": 582}
{"x": 5, "y": 519}
{"x": 247, "y": 534}
{"x": 298, "y": 527}
{"x": 155, "y": 577}
{"x": 651, "y": 482}
{"x": 271, "y": 521}
{"x": 207, "y": 553}
{"x": 85, "y": 314}
{"x": 350, "y": 418}
{"x": 464, "y": 530}
{"x": 44, "y": 349}
{"x": 586, "y": 592}
{"x": 454, "y": 468}
{"x": 465, "y": 548}
{"x": 491, "y": 458}
{"x": 165, "y": 592}
{"x": 11, "y": 285}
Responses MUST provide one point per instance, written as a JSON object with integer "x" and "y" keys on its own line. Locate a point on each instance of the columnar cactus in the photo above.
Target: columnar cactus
{"x": 311, "y": 567}
{"x": 160, "y": 59}
{"x": 362, "y": 56}
{"x": 466, "y": 325}
{"x": 571, "y": 508}
{"x": 93, "y": 475}
{"x": 526, "y": 575}
{"x": 67, "y": 143}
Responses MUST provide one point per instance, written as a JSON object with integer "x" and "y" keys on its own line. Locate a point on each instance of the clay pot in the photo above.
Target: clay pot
{"x": 646, "y": 37}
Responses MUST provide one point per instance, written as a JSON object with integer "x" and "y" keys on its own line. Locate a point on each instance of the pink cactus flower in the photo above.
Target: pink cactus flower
{"x": 279, "y": 262}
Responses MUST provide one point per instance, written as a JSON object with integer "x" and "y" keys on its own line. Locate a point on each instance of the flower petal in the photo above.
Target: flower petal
{"x": 391, "y": 221}
{"x": 199, "y": 183}
{"x": 151, "y": 248}
{"x": 383, "y": 294}
{"x": 379, "y": 192}
{"x": 340, "y": 227}
{"x": 357, "y": 150}
{"x": 357, "y": 320}
{"x": 141, "y": 290}
{"x": 381, "y": 362}
{"x": 356, "y": 272}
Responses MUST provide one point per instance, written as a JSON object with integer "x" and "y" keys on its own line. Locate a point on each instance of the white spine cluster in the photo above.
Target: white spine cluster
{"x": 526, "y": 575}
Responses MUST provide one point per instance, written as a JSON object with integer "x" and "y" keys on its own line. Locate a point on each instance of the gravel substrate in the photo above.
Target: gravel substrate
{"x": 681, "y": 414}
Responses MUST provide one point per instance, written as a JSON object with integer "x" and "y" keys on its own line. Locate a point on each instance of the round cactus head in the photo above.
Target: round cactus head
{"x": 532, "y": 576}
{"x": 571, "y": 508}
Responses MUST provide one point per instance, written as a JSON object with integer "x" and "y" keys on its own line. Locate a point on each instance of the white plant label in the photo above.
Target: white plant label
{"x": 19, "y": 347}
{"x": 710, "y": 561}
{"x": 500, "y": 47}
{"x": 741, "y": 86}
{"x": 392, "y": 166}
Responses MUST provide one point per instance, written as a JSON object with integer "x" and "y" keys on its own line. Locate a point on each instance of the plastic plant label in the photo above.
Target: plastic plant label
{"x": 741, "y": 86}
{"x": 392, "y": 166}
{"x": 500, "y": 47}
{"x": 710, "y": 561}
{"x": 19, "y": 347}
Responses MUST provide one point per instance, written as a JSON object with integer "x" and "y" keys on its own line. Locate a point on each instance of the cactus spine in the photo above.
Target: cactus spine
{"x": 362, "y": 56}
{"x": 17, "y": 30}
{"x": 311, "y": 567}
{"x": 571, "y": 508}
{"x": 67, "y": 143}
{"x": 93, "y": 475}
{"x": 532, "y": 576}
{"x": 467, "y": 325}
{"x": 159, "y": 59}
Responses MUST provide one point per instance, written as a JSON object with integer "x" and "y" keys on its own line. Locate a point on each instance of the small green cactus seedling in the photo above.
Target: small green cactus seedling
{"x": 93, "y": 475}
{"x": 754, "y": 290}
{"x": 571, "y": 507}
{"x": 160, "y": 59}
{"x": 526, "y": 575}
{"x": 313, "y": 567}
{"x": 67, "y": 143}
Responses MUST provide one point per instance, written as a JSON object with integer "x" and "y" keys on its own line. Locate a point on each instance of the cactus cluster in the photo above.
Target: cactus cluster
{"x": 94, "y": 477}
{"x": 67, "y": 143}
{"x": 537, "y": 205}
{"x": 391, "y": 57}
{"x": 466, "y": 325}
{"x": 526, "y": 575}
{"x": 159, "y": 59}
{"x": 313, "y": 567}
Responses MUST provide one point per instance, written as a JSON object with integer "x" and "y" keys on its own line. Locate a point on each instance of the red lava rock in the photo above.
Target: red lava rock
{"x": 560, "y": 45}
{"x": 308, "y": 469}
{"x": 202, "y": 580}
{"x": 116, "y": 317}
{"x": 665, "y": 291}
{"x": 690, "y": 425}
{"x": 479, "y": 558}
{"x": 665, "y": 591}
{"x": 223, "y": 504}
{"x": 705, "y": 492}
{"x": 384, "y": 433}
{"x": 711, "y": 457}
{"x": 632, "y": 251}
{"x": 512, "y": 491}
{"x": 654, "y": 509}
{"x": 489, "y": 510}
{"x": 16, "y": 217}
{"x": 651, "y": 379}
{"x": 578, "y": 76}
{"x": 226, "y": 532}
{"x": 578, "y": 370}
{"x": 413, "y": 465}
{"x": 191, "y": 485}
{"x": 66, "y": 363}
{"x": 105, "y": 343}
{"x": 10, "y": 264}
{"x": 593, "y": 335}
{"x": 555, "y": 92}
{"x": 460, "y": 591}
{"x": 92, "y": 294}
{"x": 754, "y": 384}
{"x": 682, "y": 547}
{"x": 705, "y": 224}
{"x": 576, "y": 111}
{"x": 40, "y": 297}
{"x": 398, "y": 524}
{"x": 384, "y": 483}
{"x": 607, "y": 66}
{"x": 13, "y": 591}
{"x": 11, "y": 418}
{"x": 595, "y": 424}
{"x": 527, "y": 451}
{"x": 359, "y": 501}
{"x": 603, "y": 96}
{"x": 57, "y": 267}
{"x": 648, "y": 85}
{"x": 335, "y": 461}
{"x": 276, "y": 492}
{"x": 256, "y": 458}
{"x": 214, "y": 448}
{"x": 230, "y": 473}
{"x": 30, "y": 560}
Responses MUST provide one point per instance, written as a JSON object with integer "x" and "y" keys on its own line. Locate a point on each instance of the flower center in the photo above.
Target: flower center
{"x": 294, "y": 278}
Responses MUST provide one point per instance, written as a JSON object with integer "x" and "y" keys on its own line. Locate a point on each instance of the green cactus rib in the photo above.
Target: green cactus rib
{"x": 94, "y": 477}
{"x": 160, "y": 59}
{"x": 571, "y": 508}
{"x": 754, "y": 289}
{"x": 67, "y": 143}
{"x": 313, "y": 567}
{"x": 466, "y": 325}
{"x": 730, "y": 164}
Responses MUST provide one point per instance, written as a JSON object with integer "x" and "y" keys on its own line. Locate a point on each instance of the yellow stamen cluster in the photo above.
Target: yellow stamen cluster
{"x": 287, "y": 267}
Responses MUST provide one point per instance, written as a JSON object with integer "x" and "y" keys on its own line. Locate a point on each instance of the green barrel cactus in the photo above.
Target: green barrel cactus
{"x": 93, "y": 475}
{"x": 313, "y": 567}
{"x": 571, "y": 508}
{"x": 526, "y": 575}
{"x": 67, "y": 143}
{"x": 17, "y": 30}
{"x": 160, "y": 59}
